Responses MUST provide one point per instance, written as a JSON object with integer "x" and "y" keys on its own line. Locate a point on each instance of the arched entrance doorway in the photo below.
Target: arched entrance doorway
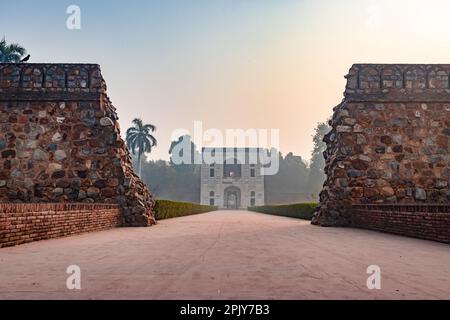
{"x": 232, "y": 197}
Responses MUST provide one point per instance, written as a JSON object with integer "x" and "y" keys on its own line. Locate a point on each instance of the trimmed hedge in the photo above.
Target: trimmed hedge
{"x": 295, "y": 210}
{"x": 165, "y": 209}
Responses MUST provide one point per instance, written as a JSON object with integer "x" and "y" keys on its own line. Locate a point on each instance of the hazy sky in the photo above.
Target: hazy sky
{"x": 232, "y": 64}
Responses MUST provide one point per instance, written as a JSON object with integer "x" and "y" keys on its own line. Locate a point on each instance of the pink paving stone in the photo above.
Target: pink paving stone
{"x": 227, "y": 255}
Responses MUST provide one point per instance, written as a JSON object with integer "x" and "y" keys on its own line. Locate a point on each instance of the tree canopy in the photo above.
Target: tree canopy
{"x": 139, "y": 139}
{"x": 12, "y": 52}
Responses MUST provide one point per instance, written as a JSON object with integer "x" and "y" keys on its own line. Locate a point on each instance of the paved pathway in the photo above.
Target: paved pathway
{"x": 227, "y": 255}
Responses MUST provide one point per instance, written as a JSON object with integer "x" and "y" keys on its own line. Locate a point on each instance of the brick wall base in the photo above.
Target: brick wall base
{"x": 431, "y": 222}
{"x": 22, "y": 223}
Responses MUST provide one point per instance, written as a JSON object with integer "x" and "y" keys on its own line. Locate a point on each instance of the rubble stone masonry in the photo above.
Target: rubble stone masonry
{"x": 60, "y": 141}
{"x": 389, "y": 143}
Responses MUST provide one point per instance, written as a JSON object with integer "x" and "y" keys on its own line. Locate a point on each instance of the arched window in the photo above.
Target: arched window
{"x": 211, "y": 198}
{"x": 252, "y": 198}
{"x": 211, "y": 170}
{"x": 232, "y": 169}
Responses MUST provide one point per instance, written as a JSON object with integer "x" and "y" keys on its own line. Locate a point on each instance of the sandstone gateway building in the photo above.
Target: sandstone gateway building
{"x": 235, "y": 182}
{"x": 387, "y": 156}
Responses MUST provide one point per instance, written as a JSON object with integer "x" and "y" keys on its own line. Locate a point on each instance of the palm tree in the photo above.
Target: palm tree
{"x": 139, "y": 138}
{"x": 11, "y": 52}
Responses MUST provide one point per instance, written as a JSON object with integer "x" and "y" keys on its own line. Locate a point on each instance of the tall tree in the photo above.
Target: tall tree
{"x": 12, "y": 52}
{"x": 140, "y": 138}
{"x": 316, "y": 168}
{"x": 288, "y": 185}
{"x": 184, "y": 143}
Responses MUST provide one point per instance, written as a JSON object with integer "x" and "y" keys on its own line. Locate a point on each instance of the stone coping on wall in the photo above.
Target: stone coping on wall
{"x": 51, "y": 81}
{"x": 398, "y": 83}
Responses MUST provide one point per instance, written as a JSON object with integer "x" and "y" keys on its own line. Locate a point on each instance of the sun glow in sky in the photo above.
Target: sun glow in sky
{"x": 232, "y": 64}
